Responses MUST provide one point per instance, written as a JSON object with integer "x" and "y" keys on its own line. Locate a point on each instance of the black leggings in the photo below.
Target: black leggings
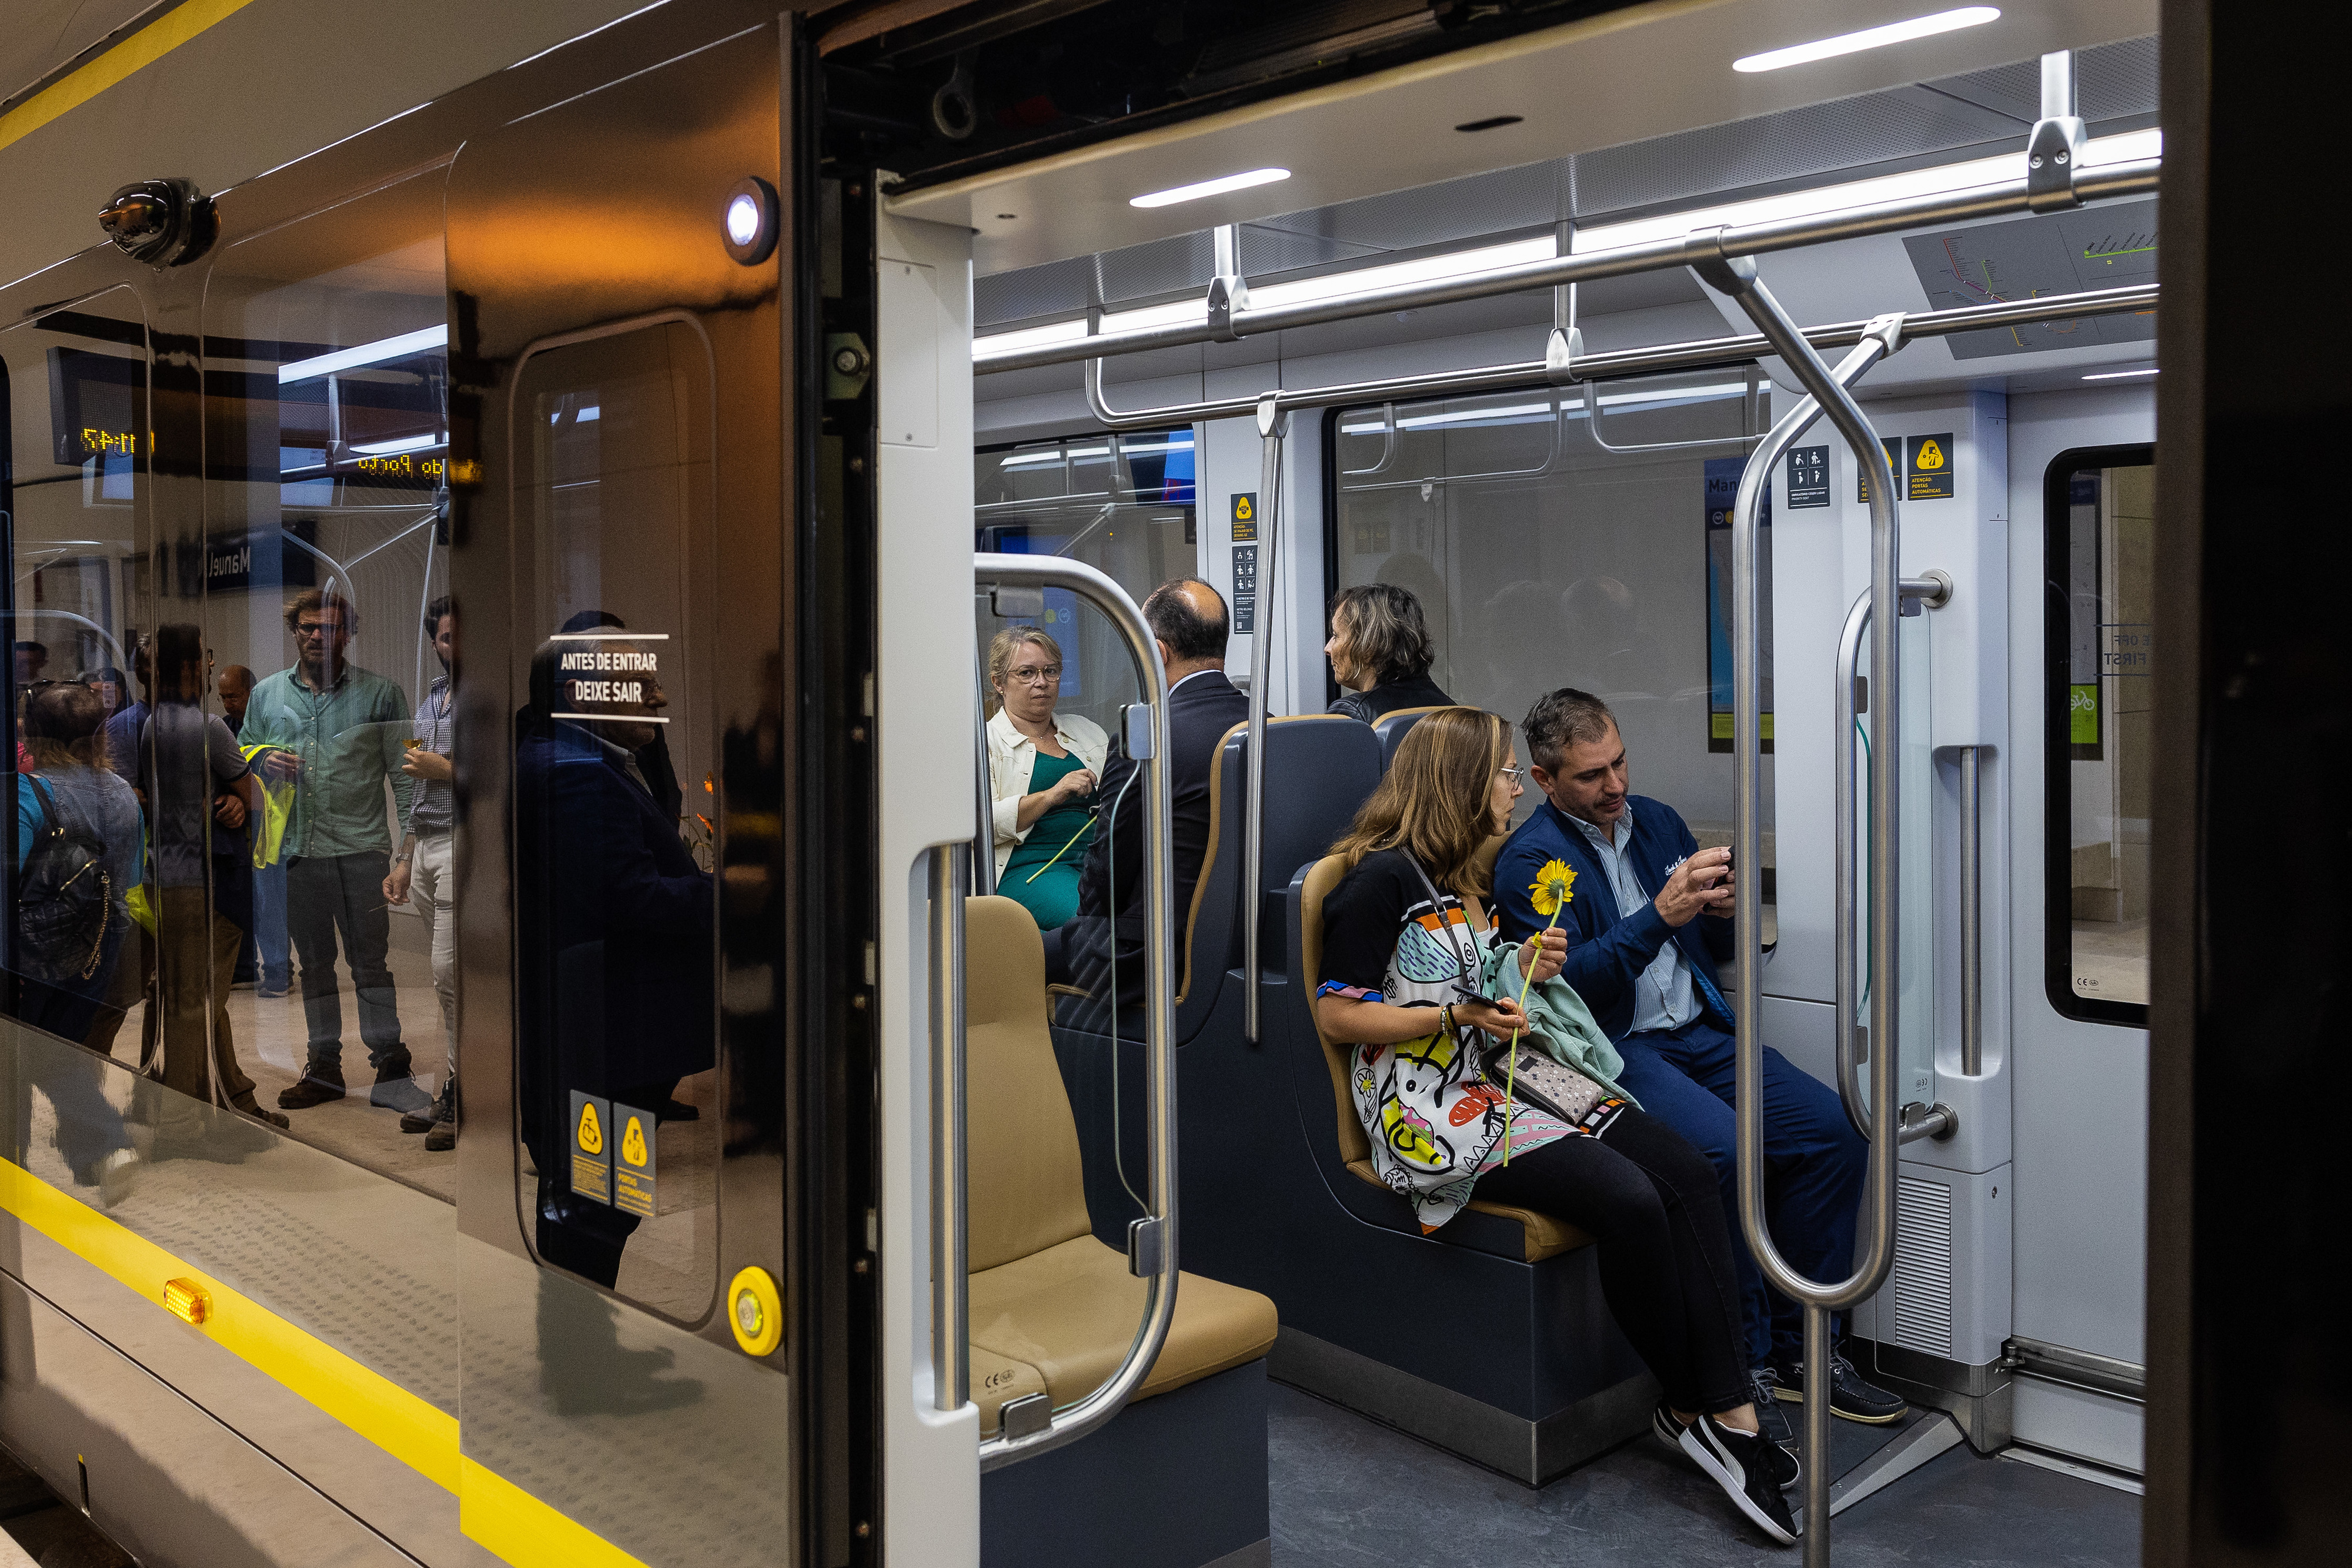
{"x": 1654, "y": 1204}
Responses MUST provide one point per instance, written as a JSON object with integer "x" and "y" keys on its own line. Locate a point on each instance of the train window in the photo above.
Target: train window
{"x": 322, "y": 556}
{"x": 616, "y": 823}
{"x": 2099, "y": 520}
{"x": 75, "y": 443}
{"x": 1122, "y": 503}
{"x": 1553, "y": 541}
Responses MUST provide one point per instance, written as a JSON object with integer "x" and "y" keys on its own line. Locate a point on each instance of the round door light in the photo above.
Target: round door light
{"x": 755, "y": 1311}
{"x": 748, "y": 221}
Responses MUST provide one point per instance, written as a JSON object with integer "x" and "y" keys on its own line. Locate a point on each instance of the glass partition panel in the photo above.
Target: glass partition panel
{"x": 1551, "y": 549}
{"x": 1122, "y": 503}
{"x": 2100, "y": 511}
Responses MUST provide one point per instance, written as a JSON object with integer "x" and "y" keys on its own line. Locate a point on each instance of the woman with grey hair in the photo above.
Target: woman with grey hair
{"x": 1042, "y": 768}
{"x": 1380, "y": 652}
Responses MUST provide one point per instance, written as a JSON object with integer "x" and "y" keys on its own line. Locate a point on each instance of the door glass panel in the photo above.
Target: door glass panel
{"x": 2101, "y": 664}
{"x": 1543, "y": 558}
{"x": 615, "y": 816}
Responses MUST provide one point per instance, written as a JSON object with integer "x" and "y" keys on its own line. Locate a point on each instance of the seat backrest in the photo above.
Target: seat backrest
{"x": 1026, "y": 1186}
{"x": 1325, "y": 875}
{"x": 1319, "y": 769}
{"x": 1391, "y": 728}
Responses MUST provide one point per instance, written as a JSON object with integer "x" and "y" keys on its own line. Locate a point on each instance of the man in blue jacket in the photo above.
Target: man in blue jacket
{"x": 1648, "y": 917}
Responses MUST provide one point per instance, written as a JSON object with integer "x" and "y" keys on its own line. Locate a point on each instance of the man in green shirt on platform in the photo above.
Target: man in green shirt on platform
{"x": 340, "y": 728}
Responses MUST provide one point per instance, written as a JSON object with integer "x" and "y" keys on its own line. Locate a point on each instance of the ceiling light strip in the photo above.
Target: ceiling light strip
{"x": 2004, "y": 199}
{"x": 1868, "y": 39}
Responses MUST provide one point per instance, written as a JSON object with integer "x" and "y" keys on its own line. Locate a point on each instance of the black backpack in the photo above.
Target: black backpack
{"x": 63, "y": 898}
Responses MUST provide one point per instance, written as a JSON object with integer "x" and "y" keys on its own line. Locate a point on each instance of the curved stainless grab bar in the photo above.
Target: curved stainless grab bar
{"x": 1937, "y": 1121}
{"x": 983, "y": 842}
{"x": 1273, "y": 425}
{"x": 950, "y": 1250}
{"x": 1160, "y": 1010}
{"x": 1735, "y": 276}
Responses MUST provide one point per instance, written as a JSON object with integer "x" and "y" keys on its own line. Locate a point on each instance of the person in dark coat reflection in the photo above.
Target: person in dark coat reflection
{"x": 613, "y": 924}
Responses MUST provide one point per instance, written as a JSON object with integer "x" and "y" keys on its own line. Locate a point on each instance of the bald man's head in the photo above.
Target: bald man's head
{"x": 1188, "y": 617}
{"x": 236, "y": 689}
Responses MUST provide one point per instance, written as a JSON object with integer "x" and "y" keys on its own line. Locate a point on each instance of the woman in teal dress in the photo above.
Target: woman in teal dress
{"x": 1041, "y": 770}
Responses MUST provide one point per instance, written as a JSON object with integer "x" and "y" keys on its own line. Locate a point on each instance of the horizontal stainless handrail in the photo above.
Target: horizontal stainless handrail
{"x": 1159, "y": 1003}
{"x": 1564, "y": 368}
{"x": 2005, "y": 199}
{"x": 1915, "y": 1121}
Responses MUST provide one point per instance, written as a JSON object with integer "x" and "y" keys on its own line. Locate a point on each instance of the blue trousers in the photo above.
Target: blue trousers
{"x": 1813, "y": 1163}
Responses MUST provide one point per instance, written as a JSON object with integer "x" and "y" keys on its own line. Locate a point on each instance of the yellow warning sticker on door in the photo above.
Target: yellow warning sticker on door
{"x": 592, "y": 1156}
{"x": 1928, "y": 476}
{"x": 633, "y": 1173}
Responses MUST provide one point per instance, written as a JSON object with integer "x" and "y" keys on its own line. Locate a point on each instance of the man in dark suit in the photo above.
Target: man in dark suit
{"x": 1104, "y": 955}
{"x": 1647, "y": 919}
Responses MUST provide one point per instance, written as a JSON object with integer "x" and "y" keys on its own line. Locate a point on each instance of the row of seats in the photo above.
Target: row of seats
{"x": 1279, "y": 1213}
{"x": 1275, "y": 1188}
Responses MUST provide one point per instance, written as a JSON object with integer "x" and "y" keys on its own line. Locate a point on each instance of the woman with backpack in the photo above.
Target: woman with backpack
{"x": 79, "y": 854}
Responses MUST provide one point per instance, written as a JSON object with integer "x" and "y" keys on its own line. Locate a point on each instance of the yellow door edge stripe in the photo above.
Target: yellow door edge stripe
{"x": 134, "y": 53}
{"x": 491, "y": 1508}
{"x": 495, "y": 1513}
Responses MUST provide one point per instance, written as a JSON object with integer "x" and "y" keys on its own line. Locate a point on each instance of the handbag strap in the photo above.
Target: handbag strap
{"x": 1461, "y": 961}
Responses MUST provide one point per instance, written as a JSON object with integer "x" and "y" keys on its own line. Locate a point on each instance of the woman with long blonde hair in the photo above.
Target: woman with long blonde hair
{"x": 1413, "y": 978}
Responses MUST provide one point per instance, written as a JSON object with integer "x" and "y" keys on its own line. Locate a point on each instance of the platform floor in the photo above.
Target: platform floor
{"x": 1349, "y": 1494}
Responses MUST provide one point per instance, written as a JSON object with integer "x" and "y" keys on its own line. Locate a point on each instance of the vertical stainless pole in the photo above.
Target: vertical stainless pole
{"x": 1971, "y": 911}
{"x": 2058, "y": 85}
{"x": 950, "y": 1250}
{"x": 1273, "y": 425}
{"x": 1735, "y": 276}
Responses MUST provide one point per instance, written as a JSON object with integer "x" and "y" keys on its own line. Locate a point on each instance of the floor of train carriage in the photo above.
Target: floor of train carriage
{"x": 271, "y": 1038}
{"x": 1348, "y": 1492}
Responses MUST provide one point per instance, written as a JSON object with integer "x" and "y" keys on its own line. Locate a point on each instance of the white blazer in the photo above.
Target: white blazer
{"x": 1012, "y": 759}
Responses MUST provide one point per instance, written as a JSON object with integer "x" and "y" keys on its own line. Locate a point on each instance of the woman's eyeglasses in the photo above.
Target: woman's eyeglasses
{"x": 1034, "y": 675}
{"x": 1514, "y": 773}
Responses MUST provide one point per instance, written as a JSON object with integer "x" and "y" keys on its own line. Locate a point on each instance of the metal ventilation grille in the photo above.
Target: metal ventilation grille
{"x": 1056, "y": 289}
{"x": 2113, "y": 82}
{"x": 1922, "y": 1267}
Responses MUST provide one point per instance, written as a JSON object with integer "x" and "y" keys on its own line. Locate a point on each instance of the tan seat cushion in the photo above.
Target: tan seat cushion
{"x": 1071, "y": 1311}
{"x": 1546, "y": 1237}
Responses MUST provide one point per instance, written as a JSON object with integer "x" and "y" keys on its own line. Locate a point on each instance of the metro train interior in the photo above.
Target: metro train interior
{"x": 667, "y": 423}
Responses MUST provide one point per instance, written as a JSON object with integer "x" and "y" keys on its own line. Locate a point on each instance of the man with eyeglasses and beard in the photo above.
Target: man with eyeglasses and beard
{"x": 339, "y": 733}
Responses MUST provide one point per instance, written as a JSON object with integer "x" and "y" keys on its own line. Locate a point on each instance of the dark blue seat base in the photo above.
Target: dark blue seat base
{"x": 1175, "y": 1481}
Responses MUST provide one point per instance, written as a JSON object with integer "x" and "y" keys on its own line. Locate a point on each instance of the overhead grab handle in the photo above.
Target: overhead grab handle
{"x": 1154, "y": 1245}
{"x": 1735, "y": 276}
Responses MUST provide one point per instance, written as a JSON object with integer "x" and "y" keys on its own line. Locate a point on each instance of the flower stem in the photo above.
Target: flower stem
{"x": 1511, "y": 1066}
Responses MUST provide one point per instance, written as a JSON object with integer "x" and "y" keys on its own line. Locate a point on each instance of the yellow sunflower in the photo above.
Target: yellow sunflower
{"x": 1552, "y": 887}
